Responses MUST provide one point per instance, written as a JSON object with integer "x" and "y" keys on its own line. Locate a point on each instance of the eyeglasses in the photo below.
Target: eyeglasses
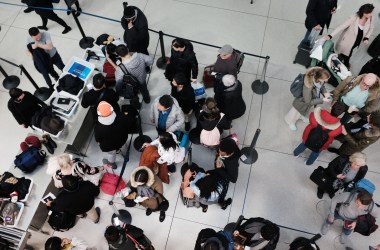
{"x": 366, "y": 85}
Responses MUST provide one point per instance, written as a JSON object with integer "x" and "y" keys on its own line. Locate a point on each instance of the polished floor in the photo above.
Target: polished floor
{"x": 277, "y": 186}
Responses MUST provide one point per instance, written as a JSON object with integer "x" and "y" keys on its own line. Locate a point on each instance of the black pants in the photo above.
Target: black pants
{"x": 45, "y": 74}
{"x": 57, "y": 61}
{"x": 50, "y": 15}
{"x": 144, "y": 92}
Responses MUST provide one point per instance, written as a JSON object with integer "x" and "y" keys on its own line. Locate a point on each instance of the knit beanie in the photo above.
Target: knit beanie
{"x": 106, "y": 115}
{"x": 129, "y": 12}
{"x": 228, "y": 80}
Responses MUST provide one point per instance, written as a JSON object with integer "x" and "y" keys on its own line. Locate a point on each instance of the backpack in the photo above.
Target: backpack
{"x": 228, "y": 236}
{"x": 28, "y": 160}
{"x": 9, "y": 213}
{"x": 366, "y": 185}
{"x": 4, "y": 244}
{"x": 61, "y": 221}
{"x": 211, "y": 138}
{"x": 296, "y": 88}
{"x": 317, "y": 138}
{"x": 129, "y": 86}
{"x": 37, "y": 117}
{"x": 241, "y": 57}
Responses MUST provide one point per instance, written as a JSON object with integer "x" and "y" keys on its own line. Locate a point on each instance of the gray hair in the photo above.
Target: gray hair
{"x": 359, "y": 159}
{"x": 228, "y": 80}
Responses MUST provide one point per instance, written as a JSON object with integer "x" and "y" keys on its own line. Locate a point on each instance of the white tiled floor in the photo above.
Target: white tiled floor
{"x": 277, "y": 186}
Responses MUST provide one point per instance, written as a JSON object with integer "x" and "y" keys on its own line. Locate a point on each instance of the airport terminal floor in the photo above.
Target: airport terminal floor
{"x": 276, "y": 187}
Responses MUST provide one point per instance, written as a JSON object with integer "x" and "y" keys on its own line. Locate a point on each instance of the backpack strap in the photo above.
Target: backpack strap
{"x": 123, "y": 68}
{"x": 350, "y": 198}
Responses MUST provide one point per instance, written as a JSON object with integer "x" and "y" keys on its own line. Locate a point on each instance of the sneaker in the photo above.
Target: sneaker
{"x": 343, "y": 238}
{"x": 325, "y": 228}
{"x": 320, "y": 194}
{"x": 292, "y": 127}
{"x": 98, "y": 212}
{"x": 113, "y": 164}
{"x": 148, "y": 211}
{"x": 305, "y": 119}
{"x": 42, "y": 27}
{"x": 28, "y": 10}
{"x": 162, "y": 216}
{"x": 66, "y": 30}
{"x": 226, "y": 203}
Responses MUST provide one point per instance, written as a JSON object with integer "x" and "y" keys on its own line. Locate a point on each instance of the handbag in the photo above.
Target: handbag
{"x": 323, "y": 181}
{"x": 108, "y": 183}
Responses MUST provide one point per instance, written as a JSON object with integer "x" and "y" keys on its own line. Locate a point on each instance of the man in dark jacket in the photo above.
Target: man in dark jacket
{"x": 117, "y": 237}
{"x": 111, "y": 132}
{"x": 227, "y": 61}
{"x": 183, "y": 60}
{"x": 23, "y": 105}
{"x": 100, "y": 93}
{"x": 210, "y": 239}
{"x": 227, "y": 167}
{"x": 318, "y": 14}
{"x": 184, "y": 93}
{"x": 136, "y": 34}
{"x": 76, "y": 198}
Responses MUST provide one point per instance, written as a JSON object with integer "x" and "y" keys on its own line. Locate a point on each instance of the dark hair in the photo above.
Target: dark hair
{"x": 227, "y": 145}
{"x": 178, "y": 43}
{"x": 15, "y": 93}
{"x": 269, "y": 231}
{"x": 181, "y": 79}
{"x": 337, "y": 109}
{"x": 211, "y": 245}
{"x": 375, "y": 118}
{"x": 70, "y": 182}
{"x": 53, "y": 243}
{"x": 365, "y": 9}
{"x": 210, "y": 110}
{"x": 207, "y": 185}
{"x": 111, "y": 48}
{"x": 364, "y": 197}
{"x": 98, "y": 80}
{"x": 34, "y": 31}
{"x": 142, "y": 176}
{"x": 167, "y": 141}
{"x": 166, "y": 101}
{"x": 301, "y": 243}
{"x": 122, "y": 50}
{"x": 112, "y": 234}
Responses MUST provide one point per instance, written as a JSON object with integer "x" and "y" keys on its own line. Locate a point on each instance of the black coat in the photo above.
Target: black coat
{"x": 125, "y": 243}
{"x": 24, "y": 111}
{"x": 137, "y": 38}
{"x": 185, "y": 97}
{"x": 319, "y": 12}
{"x": 112, "y": 137}
{"x": 222, "y": 124}
{"x": 230, "y": 100}
{"x": 185, "y": 62}
{"x": 337, "y": 166}
{"x": 230, "y": 171}
{"x": 91, "y": 99}
{"x": 76, "y": 202}
{"x": 207, "y": 233}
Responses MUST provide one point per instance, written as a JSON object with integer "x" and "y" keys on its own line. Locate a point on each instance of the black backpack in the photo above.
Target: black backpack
{"x": 61, "y": 221}
{"x": 296, "y": 88}
{"x": 130, "y": 85}
{"x": 45, "y": 111}
{"x": 317, "y": 138}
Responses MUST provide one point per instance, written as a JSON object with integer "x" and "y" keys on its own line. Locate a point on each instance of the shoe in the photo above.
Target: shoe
{"x": 325, "y": 228}
{"x": 320, "y": 194}
{"x": 333, "y": 150}
{"x": 66, "y": 30}
{"x": 42, "y": 27}
{"x": 146, "y": 100}
{"x": 113, "y": 164}
{"x": 98, "y": 212}
{"x": 292, "y": 127}
{"x": 305, "y": 119}
{"x": 28, "y": 10}
{"x": 49, "y": 140}
{"x": 187, "y": 126}
{"x": 226, "y": 203}
{"x": 148, "y": 211}
{"x": 172, "y": 168}
{"x": 343, "y": 238}
{"x": 204, "y": 209}
{"x": 162, "y": 216}
{"x": 47, "y": 145}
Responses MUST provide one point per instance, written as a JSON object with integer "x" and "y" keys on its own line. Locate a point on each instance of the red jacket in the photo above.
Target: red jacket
{"x": 327, "y": 121}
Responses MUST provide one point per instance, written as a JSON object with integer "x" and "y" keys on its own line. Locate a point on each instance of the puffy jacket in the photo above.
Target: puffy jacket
{"x": 185, "y": 62}
{"x": 176, "y": 118}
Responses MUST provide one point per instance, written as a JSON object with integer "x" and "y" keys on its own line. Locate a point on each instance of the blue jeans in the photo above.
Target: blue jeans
{"x": 306, "y": 38}
{"x": 345, "y": 230}
{"x": 312, "y": 157}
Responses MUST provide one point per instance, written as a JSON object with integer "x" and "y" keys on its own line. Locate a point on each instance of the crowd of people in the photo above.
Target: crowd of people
{"x": 352, "y": 118}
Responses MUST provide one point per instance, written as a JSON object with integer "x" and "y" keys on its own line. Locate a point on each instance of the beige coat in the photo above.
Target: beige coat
{"x": 350, "y": 31}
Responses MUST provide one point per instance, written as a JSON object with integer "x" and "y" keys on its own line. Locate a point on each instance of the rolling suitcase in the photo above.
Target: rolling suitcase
{"x": 374, "y": 48}
{"x": 303, "y": 55}
{"x": 372, "y": 66}
{"x": 110, "y": 74}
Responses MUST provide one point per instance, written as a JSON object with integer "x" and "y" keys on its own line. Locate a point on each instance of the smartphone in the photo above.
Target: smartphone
{"x": 48, "y": 199}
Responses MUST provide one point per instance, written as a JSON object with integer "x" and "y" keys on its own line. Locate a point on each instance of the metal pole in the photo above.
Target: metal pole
{"x": 86, "y": 41}
{"x": 9, "y": 81}
{"x": 260, "y": 87}
{"x": 161, "y": 62}
{"x": 42, "y": 93}
{"x": 249, "y": 154}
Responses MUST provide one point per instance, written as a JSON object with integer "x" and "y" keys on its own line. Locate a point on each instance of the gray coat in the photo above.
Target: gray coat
{"x": 309, "y": 97}
{"x": 176, "y": 118}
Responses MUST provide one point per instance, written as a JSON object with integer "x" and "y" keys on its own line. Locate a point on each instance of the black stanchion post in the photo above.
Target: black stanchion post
{"x": 161, "y": 62}
{"x": 141, "y": 139}
{"x": 86, "y": 41}
{"x": 9, "y": 81}
{"x": 42, "y": 93}
{"x": 122, "y": 215}
{"x": 249, "y": 154}
{"x": 260, "y": 86}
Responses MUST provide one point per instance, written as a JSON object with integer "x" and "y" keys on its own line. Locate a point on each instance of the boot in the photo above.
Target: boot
{"x": 49, "y": 140}
{"x": 47, "y": 145}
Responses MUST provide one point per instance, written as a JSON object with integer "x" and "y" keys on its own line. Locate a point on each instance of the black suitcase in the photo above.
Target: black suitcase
{"x": 374, "y": 48}
{"x": 303, "y": 55}
{"x": 323, "y": 181}
{"x": 372, "y": 66}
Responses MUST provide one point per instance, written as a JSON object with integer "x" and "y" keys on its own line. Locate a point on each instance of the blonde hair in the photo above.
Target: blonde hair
{"x": 359, "y": 159}
{"x": 316, "y": 73}
{"x": 64, "y": 161}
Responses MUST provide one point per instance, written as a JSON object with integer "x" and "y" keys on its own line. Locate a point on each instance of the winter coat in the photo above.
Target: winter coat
{"x": 42, "y": 61}
{"x": 337, "y": 166}
{"x": 350, "y": 31}
{"x": 136, "y": 38}
{"x": 359, "y": 141}
{"x": 153, "y": 182}
{"x": 92, "y": 99}
{"x": 327, "y": 121}
{"x": 309, "y": 96}
{"x": 208, "y": 125}
{"x": 166, "y": 156}
{"x": 24, "y": 111}
{"x": 207, "y": 235}
{"x": 112, "y": 137}
{"x": 76, "y": 202}
{"x": 185, "y": 98}
{"x": 319, "y": 12}
{"x": 185, "y": 62}
{"x": 230, "y": 171}
{"x": 230, "y": 100}
{"x": 345, "y": 86}
{"x": 176, "y": 118}
{"x": 149, "y": 159}
{"x": 135, "y": 66}
{"x": 227, "y": 66}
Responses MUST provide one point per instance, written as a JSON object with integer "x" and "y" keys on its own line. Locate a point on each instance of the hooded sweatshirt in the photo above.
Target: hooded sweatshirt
{"x": 327, "y": 121}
